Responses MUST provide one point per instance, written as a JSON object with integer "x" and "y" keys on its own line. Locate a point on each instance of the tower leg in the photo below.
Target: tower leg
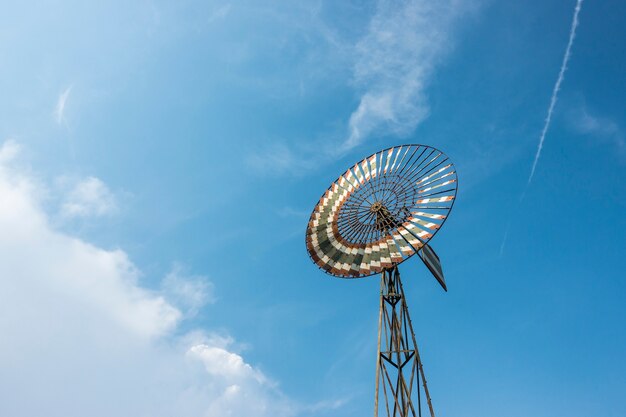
{"x": 398, "y": 367}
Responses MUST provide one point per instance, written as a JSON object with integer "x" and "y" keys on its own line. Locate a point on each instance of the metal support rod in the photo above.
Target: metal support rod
{"x": 398, "y": 364}
{"x": 380, "y": 321}
{"x": 419, "y": 359}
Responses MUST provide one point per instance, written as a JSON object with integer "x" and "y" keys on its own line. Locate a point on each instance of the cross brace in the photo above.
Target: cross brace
{"x": 398, "y": 364}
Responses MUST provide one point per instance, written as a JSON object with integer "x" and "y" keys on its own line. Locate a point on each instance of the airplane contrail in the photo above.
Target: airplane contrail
{"x": 557, "y": 86}
{"x": 555, "y": 91}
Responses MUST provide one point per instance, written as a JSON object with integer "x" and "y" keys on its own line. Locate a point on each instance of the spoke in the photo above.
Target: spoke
{"x": 358, "y": 216}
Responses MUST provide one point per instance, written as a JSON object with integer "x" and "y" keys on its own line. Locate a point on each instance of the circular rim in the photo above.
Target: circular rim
{"x": 395, "y": 235}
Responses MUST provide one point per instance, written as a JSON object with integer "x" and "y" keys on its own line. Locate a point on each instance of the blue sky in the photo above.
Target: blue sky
{"x": 159, "y": 162}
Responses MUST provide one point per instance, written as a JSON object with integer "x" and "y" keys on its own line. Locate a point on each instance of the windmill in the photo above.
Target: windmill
{"x": 377, "y": 214}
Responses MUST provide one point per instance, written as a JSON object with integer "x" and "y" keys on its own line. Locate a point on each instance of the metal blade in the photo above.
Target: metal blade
{"x": 431, "y": 260}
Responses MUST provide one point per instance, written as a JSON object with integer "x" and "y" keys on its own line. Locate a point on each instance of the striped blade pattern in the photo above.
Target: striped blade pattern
{"x": 381, "y": 211}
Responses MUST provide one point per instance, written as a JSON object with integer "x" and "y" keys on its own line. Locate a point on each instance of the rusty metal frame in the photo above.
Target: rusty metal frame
{"x": 398, "y": 363}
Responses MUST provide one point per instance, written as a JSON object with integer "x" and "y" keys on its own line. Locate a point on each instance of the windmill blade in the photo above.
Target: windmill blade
{"x": 431, "y": 260}
{"x": 381, "y": 211}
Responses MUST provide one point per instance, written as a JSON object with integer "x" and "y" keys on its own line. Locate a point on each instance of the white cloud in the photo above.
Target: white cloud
{"x": 278, "y": 159}
{"x": 584, "y": 122}
{"x": 395, "y": 61}
{"x": 220, "y": 362}
{"x": 241, "y": 389}
{"x": 288, "y": 211}
{"x": 327, "y": 405}
{"x": 236, "y": 387}
{"x": 70, "y": 268}
{"x": 188, "y": 292}
{"x": 82, "y": 336}
{"x": 9, "y": 151}
{"x": 219, "y": 13}
{"x": 89, "y": 197}
{"x": 59, "y": 110}
{"x": 590, "y": 124}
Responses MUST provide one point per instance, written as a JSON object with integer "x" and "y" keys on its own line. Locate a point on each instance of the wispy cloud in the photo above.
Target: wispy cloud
{"x": 587, "y": 123}
{"x": 584, "y": 122}
{"x": 187, "y": 292}
{"x": 395, "y": 61}
{"x": 279, "y": 159}
{"x": 557, "y": 87}
{"x": 89, "y": 197}
{"x": 241, "y": 388}
{"x": 326, "y": 405}
{"x": 219, "y": 13}
{"x": 391, "y": 67}
{"x": 8, "y": 151}
{"x": 504, "y": 239}
{"x": 59, "y": 110}
{"x": 289, "y": 211}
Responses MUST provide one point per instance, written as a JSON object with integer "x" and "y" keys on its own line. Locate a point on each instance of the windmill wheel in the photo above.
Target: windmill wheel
{"x": 381, "y": 211}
